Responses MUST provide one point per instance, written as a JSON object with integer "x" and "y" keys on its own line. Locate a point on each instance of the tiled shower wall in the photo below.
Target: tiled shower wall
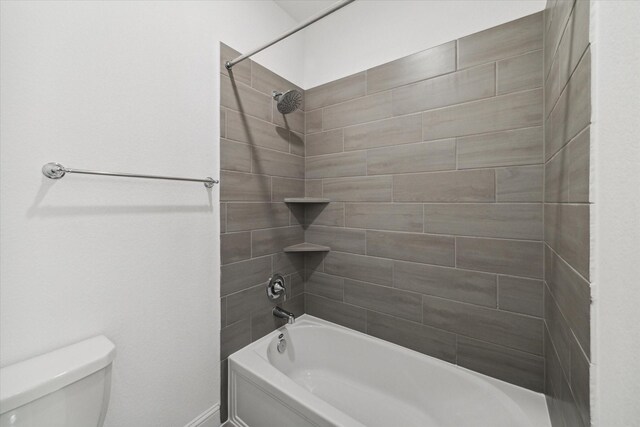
{"x": 262, "y": 162}
{"x": 434, "y": 165}
{"x": 567, "y": 115}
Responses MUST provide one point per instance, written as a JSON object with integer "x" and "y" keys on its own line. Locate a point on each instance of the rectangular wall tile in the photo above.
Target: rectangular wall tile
{"x": 235, "y": 156}
{"x": 340, "y": 90}
{"x": 572, "y": 112}
{"x": 336, "y": 312}
{"x": 255, "y": 132}
{"x": 520, "y": 295}
{"x": 360, "y": 110}
{"x": 337, "y": 165}
{"x": 519, "y": 184}
{"x": 313, "y": 188}
{"x": 359, "y": 267}
{"x": 569, "y": 53}
{"x": 244, "y": 99}
{"x": 234, "y": 337}
{"x": 244, "y": 187}
{"x": 519, "y": 73}
{"x": 419, "y": 66}
{"x": 510, "y": 39}
{"x": 223, "y": 312}
{"x": 512, "y": 111}
{"x": 324, "y": 285}
{"x": 512, "y": 257}
{"x": 223, "y": 217}
{"x": 567, "y": 232}
{"x": 337, "y": 238}
{"x": 415, "y": 336}
{"x": 272, "y": 240}
{"x": 579, "y": 167}
{"x": 511, "y": 330}
{"x": 276, "y": 163}
{"x": 324, "y": 142}
{"x": 515, "y": 367}
{"x": 455, "y": 88}
{"x": 235, "y": 247}
{"x": 580, "y": 384}
{"x": 331, "y": 214}
{"x": 572, "y": 294}
{"x": 384, "y": 216}
{"x": 458, "y": 186}
{"x": 506, "y": 148}
{"x": 383, "y": 299}
{"x": 287, "y": 187}
{"x": 223, "y": 123}
{"x": 288, "y": 264}
{"x": 559, "y": 333}
{"x": 313, "y": 121}
{"x": 242, "y": 304}
{"x": 559, "y": 13}
{"x": 452, "y": 283}
{"x": 296, "y": 143}
{"x": 556, "y": 177}
{"x": 382, "y": 133}
{"x": 511, "y": 221}
{"x": 360, "y": 189}
{"x": 244, "y": 274}
{"x": 421, "y": 157}
{"x": 425, "y": 248}
{"x": 252, "y": 216}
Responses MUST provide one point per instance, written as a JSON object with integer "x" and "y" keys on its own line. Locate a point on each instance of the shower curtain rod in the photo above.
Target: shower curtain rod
{"x": 338, "y": 5}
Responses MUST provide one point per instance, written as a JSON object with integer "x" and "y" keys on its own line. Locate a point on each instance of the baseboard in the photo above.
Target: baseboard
{"x": 209, "y": 418}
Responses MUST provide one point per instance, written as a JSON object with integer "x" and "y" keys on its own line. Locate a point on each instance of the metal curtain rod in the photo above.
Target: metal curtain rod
{"x": 338, "y": 5}
{"x": 57, "y": 171}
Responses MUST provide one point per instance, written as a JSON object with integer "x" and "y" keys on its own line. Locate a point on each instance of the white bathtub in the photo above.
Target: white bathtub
{"x": 334, "y": 376}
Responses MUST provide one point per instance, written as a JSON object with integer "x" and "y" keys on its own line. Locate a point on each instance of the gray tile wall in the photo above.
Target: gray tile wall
{"x": 434, "y": 164}
{"x": 262, "y": 162}
{"x": 567, "y": 297}
{"x": 459, "y": 220}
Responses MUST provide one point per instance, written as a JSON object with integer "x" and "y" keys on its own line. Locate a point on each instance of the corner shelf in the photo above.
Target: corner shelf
{"x": 306, "y": 200}
{"x": 307, "y": 247}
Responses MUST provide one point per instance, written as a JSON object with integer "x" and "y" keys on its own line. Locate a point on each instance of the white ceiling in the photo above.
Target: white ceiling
{"x": 303, "y": 9}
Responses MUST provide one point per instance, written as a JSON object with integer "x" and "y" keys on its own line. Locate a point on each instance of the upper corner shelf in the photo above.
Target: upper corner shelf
{"x": 307, "y": 247}
{"x": 306, "y": 200}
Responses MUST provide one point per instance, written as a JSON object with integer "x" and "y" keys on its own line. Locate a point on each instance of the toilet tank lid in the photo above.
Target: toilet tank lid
{"x": 31, "y": 379}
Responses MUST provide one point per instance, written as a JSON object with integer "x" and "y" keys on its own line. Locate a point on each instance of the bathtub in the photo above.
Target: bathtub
{"x": 330, "y": 375}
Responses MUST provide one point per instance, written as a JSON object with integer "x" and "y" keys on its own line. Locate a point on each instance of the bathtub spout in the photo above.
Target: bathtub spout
{"x": 281, "y": 313}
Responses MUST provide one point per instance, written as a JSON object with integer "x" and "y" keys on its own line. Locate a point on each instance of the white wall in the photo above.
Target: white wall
{"x": 369, "y": 33}
{"x": 124, "y": 86}
{"x": 615, "y": 382}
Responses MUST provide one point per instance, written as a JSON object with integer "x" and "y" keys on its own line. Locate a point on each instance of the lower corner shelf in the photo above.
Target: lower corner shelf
{"x": 307, "y": 247}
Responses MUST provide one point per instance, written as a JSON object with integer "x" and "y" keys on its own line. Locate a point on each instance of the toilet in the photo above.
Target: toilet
{"x": 68, "y": 387}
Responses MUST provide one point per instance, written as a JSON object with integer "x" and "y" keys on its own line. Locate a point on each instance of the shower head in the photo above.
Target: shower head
{"x": 289, "y": 101}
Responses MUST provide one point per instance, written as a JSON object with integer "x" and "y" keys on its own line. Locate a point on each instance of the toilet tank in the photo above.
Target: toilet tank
{"x": 68, "y": 387}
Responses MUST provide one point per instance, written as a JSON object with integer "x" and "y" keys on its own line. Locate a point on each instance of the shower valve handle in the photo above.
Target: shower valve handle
{"x": 276, "y": 288}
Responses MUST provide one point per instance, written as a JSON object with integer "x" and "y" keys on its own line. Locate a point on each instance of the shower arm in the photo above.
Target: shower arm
{"x": 338, "y": 5}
